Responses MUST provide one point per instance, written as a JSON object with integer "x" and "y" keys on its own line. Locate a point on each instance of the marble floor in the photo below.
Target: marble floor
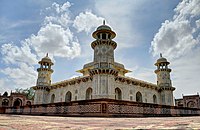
{"x": 24, "y": 122}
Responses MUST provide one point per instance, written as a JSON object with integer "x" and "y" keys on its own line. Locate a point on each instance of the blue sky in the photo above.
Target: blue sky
{"x": 29, "y": 29}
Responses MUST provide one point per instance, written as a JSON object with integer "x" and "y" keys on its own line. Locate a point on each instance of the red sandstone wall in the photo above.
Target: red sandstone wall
{"x": 104, "y": 107}
{"x": 2, "y": 110}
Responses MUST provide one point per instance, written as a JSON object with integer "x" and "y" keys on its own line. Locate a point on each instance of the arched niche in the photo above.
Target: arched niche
{"x": 68, "y": 96}
{"x": 52, "y": 98}
{"x": 118, "y": 94}
{"x": 138, "y": 97}
{"x": 88, "y": 94}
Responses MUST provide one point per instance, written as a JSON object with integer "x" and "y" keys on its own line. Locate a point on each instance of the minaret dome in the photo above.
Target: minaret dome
{"x": 46, "y": 59}
{"x": 104, "y": 32}
{"x": 161, "y": 60}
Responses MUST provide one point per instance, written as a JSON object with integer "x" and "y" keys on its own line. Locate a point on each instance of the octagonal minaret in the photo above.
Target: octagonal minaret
{"x": 43, "y": 81}
{"x": 103, "y": 71}
{"x": 104, "y": 46}
{"x": 163, "y": 72}
{"x": 164, "y": 81}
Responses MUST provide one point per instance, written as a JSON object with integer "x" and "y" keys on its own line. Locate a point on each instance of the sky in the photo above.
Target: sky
{"x": 145, "y": 28}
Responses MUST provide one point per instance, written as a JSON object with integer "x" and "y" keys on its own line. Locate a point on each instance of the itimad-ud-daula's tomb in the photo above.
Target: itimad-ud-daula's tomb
{"x": 103, "y": 89}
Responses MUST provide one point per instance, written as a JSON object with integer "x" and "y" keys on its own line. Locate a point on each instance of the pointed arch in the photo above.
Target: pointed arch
{"x": 138, "y": 97}
{"x": 68, "y": 96}
{"x": 17, "y": 102}
{"x": 118, "y": 94}
{"x": 154, "y": 99}
{"x": 88, "y": 94}
{"x": 52, "y": 98}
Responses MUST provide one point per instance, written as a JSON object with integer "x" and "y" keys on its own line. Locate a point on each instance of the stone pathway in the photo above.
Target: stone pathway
{"x": 23, "y": 122}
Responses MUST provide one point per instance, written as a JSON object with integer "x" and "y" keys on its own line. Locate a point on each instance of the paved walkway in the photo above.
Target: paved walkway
{"x": 22, "y": 122}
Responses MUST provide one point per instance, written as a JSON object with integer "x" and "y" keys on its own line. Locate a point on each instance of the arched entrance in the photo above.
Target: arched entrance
{"x": 17, "y": 102}
{"x": 118, "y": 94}
{"x": 138, "y": 97}
{"x": 154, "y": 99}
{"x": 88, "y": 94}
{"x": 68, "y": 96}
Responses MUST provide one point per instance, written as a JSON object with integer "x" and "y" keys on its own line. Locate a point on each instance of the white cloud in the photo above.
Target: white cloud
{"x": 86, "y": 21}
{"x": 176, "y": 37}
{"x": 187, "y": 9}
{"x": 185, "y": 73}
{"x": 56, "y": 40}
{"x": 179, "y": 40}
{"x": 14, "y": 54}
{"x": 118, "y": 15}
{"x": 58, "y": 14}
{"x": 59, "y": 8}
{"x": 6, "y": 85}
{"x": 54, "y": 37}
{"x": 145, "y": 74}
{"x": 198, "y": 23}
{"x": 62, "y": 20}
{"x": 22, "y": 76}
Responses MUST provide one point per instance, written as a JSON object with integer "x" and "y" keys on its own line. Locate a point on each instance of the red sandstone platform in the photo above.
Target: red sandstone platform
{"x": 23, "y": 122}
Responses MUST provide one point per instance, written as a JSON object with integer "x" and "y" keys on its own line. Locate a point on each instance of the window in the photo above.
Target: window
{"x": 138, "y": 97}
{"x": 89, "y": 93}
{"x": 68, "y": 96}
{"x": 109, "y": 36}
{"x": 118, "y": 94}
{"x": 103, "y": 36}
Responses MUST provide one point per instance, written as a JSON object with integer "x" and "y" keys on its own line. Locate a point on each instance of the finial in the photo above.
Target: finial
{"x": 47, "y": 55}
{"x": 104, "y": 22}
{"x": 160, "y": 54}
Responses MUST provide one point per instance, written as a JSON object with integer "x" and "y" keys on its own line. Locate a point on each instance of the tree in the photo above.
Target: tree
{"x": 29, "y": 92}
{"x": 5, "y": 94}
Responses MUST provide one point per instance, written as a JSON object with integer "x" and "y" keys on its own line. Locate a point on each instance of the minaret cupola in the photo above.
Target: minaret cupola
{"x": 164, "y": 81}
{"x": 104, "y": 32}
{"x": 45, "y": 62}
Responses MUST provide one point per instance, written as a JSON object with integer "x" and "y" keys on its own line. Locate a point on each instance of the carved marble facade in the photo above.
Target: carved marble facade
{"x": 104, "y": 78}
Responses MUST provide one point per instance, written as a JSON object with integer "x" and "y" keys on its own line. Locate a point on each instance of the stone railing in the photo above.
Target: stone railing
{"x": 103, "y": 108}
